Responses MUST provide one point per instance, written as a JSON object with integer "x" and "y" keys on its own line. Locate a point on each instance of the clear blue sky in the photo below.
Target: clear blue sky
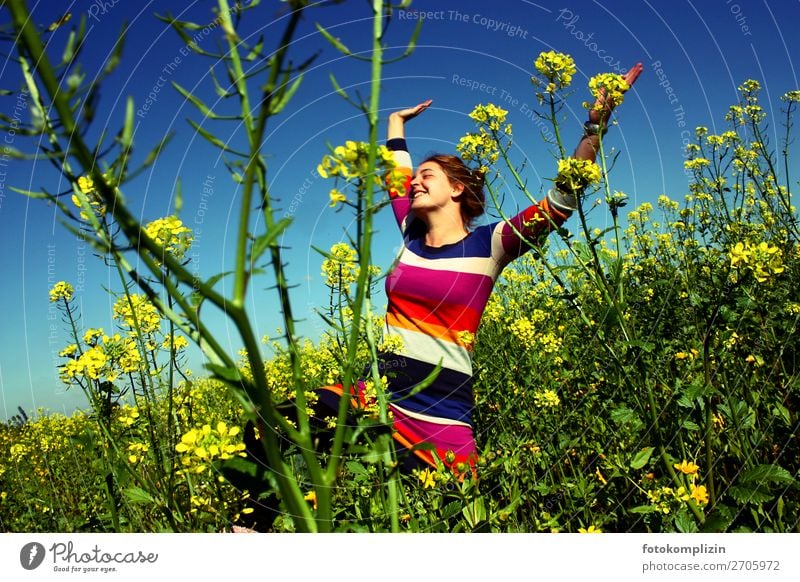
{"x": 695, "y": 54}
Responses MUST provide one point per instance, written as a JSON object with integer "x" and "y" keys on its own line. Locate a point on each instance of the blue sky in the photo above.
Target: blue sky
{"x": 695, "y": 54}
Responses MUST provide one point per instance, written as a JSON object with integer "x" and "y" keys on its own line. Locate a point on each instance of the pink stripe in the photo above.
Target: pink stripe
{"x": 445, "y": 437}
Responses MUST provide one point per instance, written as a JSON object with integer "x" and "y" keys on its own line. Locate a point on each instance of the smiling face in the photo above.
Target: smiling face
{"x": 431, "y": 189}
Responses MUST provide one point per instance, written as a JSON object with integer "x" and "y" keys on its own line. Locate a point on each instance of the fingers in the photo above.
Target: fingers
{"x": 633, "y": 73}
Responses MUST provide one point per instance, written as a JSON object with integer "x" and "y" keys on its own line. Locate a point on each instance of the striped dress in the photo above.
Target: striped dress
{"x": 436, "y": 296}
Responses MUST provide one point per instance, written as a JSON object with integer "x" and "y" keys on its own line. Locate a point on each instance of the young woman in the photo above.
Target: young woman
{"x": 439, "y": 287}
{"x": 441, "y": 282}
{"x": 437, "y": 291}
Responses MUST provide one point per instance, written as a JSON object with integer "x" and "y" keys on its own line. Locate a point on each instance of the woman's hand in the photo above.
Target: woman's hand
{"x": 602, "y": 108}
{"x": 397, "y": 119}
{"x": 411, "y": 112}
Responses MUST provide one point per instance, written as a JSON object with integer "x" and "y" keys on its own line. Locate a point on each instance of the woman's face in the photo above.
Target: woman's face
{"x": 431, "y": 188}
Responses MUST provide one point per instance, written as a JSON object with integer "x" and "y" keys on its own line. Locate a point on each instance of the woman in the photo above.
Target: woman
{"x": 442, "y": 280}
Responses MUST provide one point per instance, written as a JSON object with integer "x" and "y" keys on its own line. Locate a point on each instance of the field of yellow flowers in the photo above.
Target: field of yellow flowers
{"x": 638, "y": 378}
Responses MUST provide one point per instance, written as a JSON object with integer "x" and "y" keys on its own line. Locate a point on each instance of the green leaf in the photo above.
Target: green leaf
{"x": 690, "y": 425}
{"x": 624, "y": 415}
{"x": 744, "y": 494}
{"x": 284, "y": 97}
{"x": 224, "y": 372}
{"x": 337, "y": 88}
{"x": 138, "y": 495}
{"x": 450, "y": 510}
{"x": 767, "y": 474}
{"x": 642, "y": 509}
{"x": 684, "y": 523}
{"x": 204, "y": 109}
{"x": 641, "y": 458}
{"x": 719, "y": 520}
{"x": 337, "y": 44}
{"x": 115, "y": 59}
{"x": 263, "y": 242}
{"x": 178, "y": 197}
{"x": 214, "y": 140}
{"x": 256, "y": 50}
{"x": 126, "y": 138}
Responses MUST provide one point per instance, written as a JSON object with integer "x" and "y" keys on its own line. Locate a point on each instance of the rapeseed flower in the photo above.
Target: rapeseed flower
{"x": 171, "y": 235}
{"x": 687, "y": 467}
{"x": 575, "y": 174}
{"x": 337, "y": 197}
{"x": 61, "y": 290}
{"x": 427, "y": 478}
{"x": 699, "y": 494}
{"x": 556, "y": 69}
{"x": 607, "y": 88}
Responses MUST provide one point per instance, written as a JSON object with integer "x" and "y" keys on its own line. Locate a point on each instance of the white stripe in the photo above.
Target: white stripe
{"x": 402, "y": 159}
{"x": 431, "y": 419}
{"x": 470, "y": 265}
{"x": 431, "y": 350}
{"x": 499, "y": 254}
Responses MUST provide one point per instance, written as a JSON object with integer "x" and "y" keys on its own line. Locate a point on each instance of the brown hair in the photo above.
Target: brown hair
{"x": 473, "y": 200}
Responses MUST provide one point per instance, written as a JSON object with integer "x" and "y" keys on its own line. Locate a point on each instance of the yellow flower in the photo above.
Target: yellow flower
{"x": 687, "y": 467}
{"x": 312, "y": 497}
{"x": 337, "y": 197}
{"x": 466, "y": 338}
{"x": 61, "y": 290}
{"x": 546, "y": 399}
{"x": 68, "y": 351}
{"x": 86, "y": 184}
{"x": 92, "y": 335}
{"x": 427, "y": 478}
{"x": 170, "y": 234}
{"x": 699, "y": 494}
{"x": 600, "y": 476}
{"x": 696, "y": 164}
{"x": 608, "y": 87}
{"x": 556, "y": 68}
{"x": 341, "y": 268}
{"x": 138, "y": 311}
{"x": 590, "y": 530}
{"x": 575, "y": 174}
{"x": 351, "y": 161}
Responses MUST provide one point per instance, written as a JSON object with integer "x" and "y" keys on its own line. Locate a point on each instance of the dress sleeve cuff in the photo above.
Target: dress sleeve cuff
{"x": 563, "y": 202}
{"x": 397, "y": 144}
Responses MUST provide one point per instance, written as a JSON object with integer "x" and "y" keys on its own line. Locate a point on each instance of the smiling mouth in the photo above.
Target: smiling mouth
{"x": 414, "y": 194}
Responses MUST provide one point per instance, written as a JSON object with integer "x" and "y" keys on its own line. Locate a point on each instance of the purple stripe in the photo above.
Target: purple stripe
{"x": 446, "y": 437}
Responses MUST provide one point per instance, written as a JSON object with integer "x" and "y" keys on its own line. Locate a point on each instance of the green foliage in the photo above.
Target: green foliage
{"x": 636, "y": 379}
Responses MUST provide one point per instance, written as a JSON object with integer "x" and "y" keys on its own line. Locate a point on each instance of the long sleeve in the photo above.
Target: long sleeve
{"x": 532, "y": 223}
{"x": 401, "y": 203}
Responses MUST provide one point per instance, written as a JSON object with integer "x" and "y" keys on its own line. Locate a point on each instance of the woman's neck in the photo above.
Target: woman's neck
{"x": 445, "y": 232}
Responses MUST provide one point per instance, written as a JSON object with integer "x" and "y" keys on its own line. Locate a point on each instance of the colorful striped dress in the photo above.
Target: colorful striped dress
{"x": 436, "y": 296}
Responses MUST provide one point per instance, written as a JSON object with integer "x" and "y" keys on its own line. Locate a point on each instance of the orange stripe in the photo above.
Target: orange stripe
{"x": 438, "y": 331}
{"x": 458, "y": 316}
